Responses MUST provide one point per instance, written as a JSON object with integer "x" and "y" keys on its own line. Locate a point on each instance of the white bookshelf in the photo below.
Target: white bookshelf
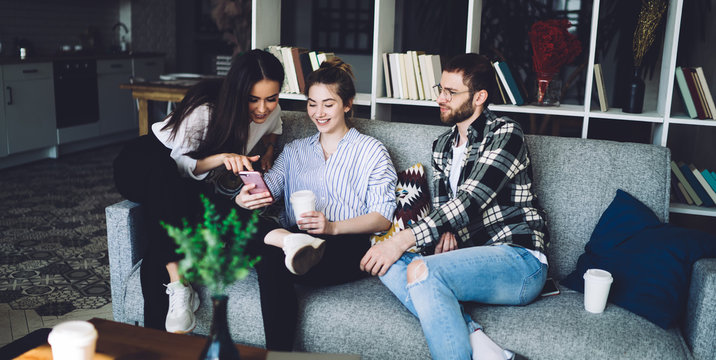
{"x": 266, "y": 31}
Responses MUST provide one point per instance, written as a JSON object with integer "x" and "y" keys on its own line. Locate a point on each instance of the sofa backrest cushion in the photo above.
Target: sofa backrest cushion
{"x": 575, "y": 179}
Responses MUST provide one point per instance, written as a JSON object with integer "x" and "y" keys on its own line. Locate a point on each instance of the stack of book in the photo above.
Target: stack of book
{"x": 693, "y": 187}
{"x": 411, "y": 75}
{"x": 297, "y": 64}
{"x": 695, "y": 92}
{"x": 223, "y": 64}
{"x": 507, "y": 86}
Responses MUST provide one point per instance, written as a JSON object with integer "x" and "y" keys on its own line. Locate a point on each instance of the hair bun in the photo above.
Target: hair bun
{"x": 337, "y": 63}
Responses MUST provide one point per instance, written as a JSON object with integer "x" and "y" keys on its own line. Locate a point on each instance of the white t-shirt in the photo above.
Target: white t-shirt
{"x": 458, "y": 154}
{"x": 193, "y": 130}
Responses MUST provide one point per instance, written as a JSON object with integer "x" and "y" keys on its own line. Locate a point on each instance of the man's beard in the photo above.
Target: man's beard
{"x": 460, "y": 114}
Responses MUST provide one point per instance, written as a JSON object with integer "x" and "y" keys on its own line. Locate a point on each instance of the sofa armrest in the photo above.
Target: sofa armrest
{"x": 700, "y": 322}
{"x": 124, "y": 245}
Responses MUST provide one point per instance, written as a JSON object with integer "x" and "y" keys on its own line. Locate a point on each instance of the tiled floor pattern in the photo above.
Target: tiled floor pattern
{"x": 15, "y": 324}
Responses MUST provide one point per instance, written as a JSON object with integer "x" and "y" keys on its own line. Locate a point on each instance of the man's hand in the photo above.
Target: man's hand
{"x": 447, "y": 242}
{"x": 381, "y": 257}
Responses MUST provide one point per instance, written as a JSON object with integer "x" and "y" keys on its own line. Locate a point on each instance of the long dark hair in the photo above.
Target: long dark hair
{"x": 228, "y": 103}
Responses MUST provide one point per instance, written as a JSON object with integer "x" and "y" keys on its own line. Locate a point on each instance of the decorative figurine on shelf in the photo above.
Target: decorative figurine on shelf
{"x": 211, "y": 260}
{"x": 552, "y": 47}
{"x": 652, "y": 11}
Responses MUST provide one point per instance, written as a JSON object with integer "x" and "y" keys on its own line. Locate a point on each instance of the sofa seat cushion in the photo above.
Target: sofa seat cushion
{"x": 345, "y": 319}
{"x": 558, "y": 327}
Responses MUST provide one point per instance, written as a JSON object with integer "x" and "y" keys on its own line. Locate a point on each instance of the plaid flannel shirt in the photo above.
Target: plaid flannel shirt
{"x": 494, "y": 203}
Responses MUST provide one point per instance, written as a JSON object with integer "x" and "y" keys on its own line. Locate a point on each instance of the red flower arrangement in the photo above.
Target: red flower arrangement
{"x": 552, "y": 45}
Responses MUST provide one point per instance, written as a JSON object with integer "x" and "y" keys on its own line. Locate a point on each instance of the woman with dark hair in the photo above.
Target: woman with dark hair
{"x": 198, "y": 149}
{"x": 353, "y": 180}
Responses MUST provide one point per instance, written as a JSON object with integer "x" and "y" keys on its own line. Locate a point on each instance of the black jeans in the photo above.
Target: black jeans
{"x": 145, "y": 173}
{"x": 279, "y": 306}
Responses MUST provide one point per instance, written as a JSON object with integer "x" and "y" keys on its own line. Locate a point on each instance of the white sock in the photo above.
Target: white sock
{"x": 483, "y": 348}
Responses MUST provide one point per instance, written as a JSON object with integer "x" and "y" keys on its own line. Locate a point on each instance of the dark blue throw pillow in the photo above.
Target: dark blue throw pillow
{"x": 650, "y": 261}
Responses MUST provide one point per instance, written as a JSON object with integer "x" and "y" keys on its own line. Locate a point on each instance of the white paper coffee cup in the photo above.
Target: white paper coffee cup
{"x": 596, "y": 290}
{"x": 302, "y": 201}
{"x": 73, "y": 340}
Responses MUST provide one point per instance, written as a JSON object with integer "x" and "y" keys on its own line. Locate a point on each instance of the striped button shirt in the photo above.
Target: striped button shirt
{"x": 494, "y": 203}
{"x": 359, "y": 178}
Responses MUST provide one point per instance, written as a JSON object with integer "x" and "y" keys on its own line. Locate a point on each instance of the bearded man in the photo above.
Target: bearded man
{"x": 485, "y": 239}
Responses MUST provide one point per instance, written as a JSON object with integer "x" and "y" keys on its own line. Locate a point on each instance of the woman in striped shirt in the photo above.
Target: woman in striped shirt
{"x": 353, "y": 180}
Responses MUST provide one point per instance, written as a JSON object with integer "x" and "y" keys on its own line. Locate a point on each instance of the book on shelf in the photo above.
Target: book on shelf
{"x": 707, "y": 92}
{"x": 710, "y": 178}
{"x": 424, "y": 64}
{"x": 509, "y": 82}
{"x": 386, "y": 73}
{"x": 435, "y": 71}
{"x": 601, "y": 90}
{"x": 700, "y": 94}
{"x": 418, "y": 73}
{"x": 402, "y": 66}
{"x": 290, "y": 69}
{"x": 395, "y": 77}
{"x": 700, "y": 191}
{"x": 702, "y": 181}
{"x": 298, "y": 67}
{"x": 410, "y": 77}
{"x": 685, "y": 194}
{"x": 501, "y": 91}
{"x": 276, "y": 51}
{"x": 679, "y": 192}
{"x": 685, "y": 93}
{"x": 313, "y": 56}
{"x": 323, "y": 56}
{"x": 687, "y": 186}
{"x": 694, "y": 93}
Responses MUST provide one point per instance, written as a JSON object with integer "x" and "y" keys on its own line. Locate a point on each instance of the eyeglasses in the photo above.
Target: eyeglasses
{"x": 447, "y": 94}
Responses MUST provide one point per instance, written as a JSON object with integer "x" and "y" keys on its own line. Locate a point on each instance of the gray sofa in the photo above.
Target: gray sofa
{"x": 575, "y": 180}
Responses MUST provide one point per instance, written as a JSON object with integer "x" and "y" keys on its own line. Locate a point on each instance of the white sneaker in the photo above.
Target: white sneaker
{"x": 183, "y": 302}
{"x": 302, "y": 252}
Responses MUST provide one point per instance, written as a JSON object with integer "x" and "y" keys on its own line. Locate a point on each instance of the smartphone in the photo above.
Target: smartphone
{"x": 254, "y": 177}
{"x": 550, "y": 288}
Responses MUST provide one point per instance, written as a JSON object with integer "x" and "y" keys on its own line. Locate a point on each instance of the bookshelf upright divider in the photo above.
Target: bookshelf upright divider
{"x": 266, "y": 30}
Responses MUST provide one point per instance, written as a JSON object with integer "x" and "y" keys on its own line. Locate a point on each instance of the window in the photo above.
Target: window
{"x": 343, "y": 26}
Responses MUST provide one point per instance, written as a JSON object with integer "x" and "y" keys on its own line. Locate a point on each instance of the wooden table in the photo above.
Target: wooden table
{"x": 122, "y": 341}
{"x": 161, "y": 90}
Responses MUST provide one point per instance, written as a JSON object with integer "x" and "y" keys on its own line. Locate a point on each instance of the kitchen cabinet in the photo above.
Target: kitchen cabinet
{"x": 116, "y": 107}
{"x": 28, "y": 108}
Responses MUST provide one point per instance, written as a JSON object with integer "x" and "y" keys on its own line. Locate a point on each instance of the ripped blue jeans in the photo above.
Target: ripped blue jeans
{"x": 498, "y": 274}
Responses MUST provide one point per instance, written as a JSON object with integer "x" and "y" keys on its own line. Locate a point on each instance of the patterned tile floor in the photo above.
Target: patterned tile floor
{"x": 53, "y": 239}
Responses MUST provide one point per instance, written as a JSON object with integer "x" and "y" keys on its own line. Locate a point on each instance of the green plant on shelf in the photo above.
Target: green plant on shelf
{"x": 214, "y": 250}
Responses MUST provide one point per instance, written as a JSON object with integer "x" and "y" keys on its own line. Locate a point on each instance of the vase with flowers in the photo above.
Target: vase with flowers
{"x": 214, "y": 257}
{"x": 650, "y": 15}
{"x": 552, "y": 47}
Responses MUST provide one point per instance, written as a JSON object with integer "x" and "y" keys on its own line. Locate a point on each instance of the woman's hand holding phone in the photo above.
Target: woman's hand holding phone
{"x": 253, "y": 201}
{"x": 255, "y": 193}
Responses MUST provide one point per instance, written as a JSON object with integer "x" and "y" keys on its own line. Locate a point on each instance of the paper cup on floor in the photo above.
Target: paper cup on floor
{"x": 596, "y": 290}
{"x": 302, "y": 201}
{"x": 73, "y": 340}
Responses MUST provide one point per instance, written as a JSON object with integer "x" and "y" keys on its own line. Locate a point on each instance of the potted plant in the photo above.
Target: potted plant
{"x": 214, "y": 257}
